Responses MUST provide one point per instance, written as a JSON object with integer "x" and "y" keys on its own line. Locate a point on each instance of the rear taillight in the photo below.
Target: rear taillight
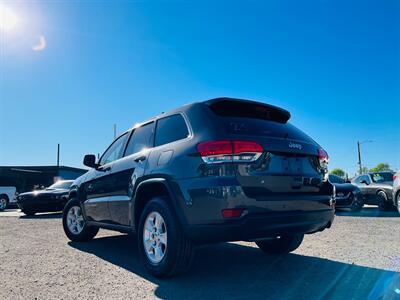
{"x": 323, "y": 158}
{"x": 394, "y": 177}
{"x": 229, "y": 151}
{"x": 246, "y": 147}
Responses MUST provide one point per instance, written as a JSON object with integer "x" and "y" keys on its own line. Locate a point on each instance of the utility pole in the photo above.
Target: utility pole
{"x": 58, "y": 155}
{"x": 115, "y": 131}
{"x": 359, "y": 154}
{"x": 359, "y": 157}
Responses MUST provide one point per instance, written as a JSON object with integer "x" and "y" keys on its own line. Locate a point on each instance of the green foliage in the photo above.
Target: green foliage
{"x": 338, "y": 172}
{"x": 381, "y": 167}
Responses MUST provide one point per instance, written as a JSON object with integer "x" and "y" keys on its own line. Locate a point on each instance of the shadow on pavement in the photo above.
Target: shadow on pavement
{"x": 232, "y": 271}
{"x": 369, "y": 212}
{"x": 43, "y": 216}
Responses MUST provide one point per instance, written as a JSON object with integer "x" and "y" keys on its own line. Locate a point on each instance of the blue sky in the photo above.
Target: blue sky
{"x": 334, "y": 64}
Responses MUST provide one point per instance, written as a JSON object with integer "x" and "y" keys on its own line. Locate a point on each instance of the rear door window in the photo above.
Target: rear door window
{"x": 171, "y": 129}
{"x": 381, "y": 177}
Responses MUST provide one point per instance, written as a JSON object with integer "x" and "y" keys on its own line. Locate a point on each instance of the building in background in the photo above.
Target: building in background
{"x": 28, "y": 178}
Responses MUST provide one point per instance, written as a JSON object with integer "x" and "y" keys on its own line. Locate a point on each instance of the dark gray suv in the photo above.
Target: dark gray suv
{"x": 220, "y": 170}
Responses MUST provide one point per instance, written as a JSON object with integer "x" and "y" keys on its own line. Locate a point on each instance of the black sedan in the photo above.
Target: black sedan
{"x": 51, "y": 199}
{"x": 377, "y": 189}
{"x": 348, "y": 196}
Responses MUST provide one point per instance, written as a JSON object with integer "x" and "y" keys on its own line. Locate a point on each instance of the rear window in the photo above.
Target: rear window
{"x": 170, "y": 129}
{"x": 256, "y": 119}
{"x": 243, "y": 109}
{"x": 255, "y": 127}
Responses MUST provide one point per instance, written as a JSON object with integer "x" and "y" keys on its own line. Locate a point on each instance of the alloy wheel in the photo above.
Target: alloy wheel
{"x": 75, "y": 221}
{"x": 155, "y": 237}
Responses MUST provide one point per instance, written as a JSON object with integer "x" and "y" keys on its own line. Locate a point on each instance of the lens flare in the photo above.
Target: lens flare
{"x": 8, "y": 19}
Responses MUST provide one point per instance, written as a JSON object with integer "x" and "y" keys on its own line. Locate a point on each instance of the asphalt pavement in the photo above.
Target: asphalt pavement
{"x": 358, "y": 258}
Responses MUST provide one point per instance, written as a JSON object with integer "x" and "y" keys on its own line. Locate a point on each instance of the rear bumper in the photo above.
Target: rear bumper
{"x": 255, "y": 227}
{"x": 263, "y": 217}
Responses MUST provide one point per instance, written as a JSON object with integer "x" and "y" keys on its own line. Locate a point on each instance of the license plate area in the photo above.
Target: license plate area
{"x": 292, "y": 165}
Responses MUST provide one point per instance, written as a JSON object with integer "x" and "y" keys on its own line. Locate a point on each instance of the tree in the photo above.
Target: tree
{"x": 338, "y": 172}
{"x": 381, "y": 167}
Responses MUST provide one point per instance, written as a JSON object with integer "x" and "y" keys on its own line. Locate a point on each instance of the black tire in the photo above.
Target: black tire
{"x": 283, "y": 245}
{"x": 383, "y": 202}
{"x": 87, "y": 233}
{"x": 4, "y": 202}
{"x": 179, "y": 250}
{"x": 29, "y": 212}
{"x": 357, "y": 204}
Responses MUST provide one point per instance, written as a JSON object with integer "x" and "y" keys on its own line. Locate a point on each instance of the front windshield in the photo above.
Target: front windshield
{"x": 60, "y": 185}
{"x": 336, "y": 179}
{"x": 381, "y": 177}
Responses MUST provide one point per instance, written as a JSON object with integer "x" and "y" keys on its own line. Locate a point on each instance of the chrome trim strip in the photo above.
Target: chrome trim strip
{"x": 108, "y": 199}
{"x": 118, "y": 198}
{"x": 96, "y": 200}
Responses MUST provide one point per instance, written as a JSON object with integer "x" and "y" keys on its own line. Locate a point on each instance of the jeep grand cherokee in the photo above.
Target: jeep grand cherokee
{"x": 215, "y": 171}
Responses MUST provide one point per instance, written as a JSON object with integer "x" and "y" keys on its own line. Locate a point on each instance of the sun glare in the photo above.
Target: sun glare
{"x": 8, "y": 19}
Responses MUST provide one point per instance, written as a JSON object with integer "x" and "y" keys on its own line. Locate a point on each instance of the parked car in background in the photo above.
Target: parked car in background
{"x": 348, "y": 196}
{"x": 51, "y": 199}
{"x": 215, "y": 171}
{"x": 8, "y": 196}
{"x": 396, "y": 190}
{"x": 376, "y": 188}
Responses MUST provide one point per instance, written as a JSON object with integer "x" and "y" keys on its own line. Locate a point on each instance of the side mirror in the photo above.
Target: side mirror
{"x": 90, "y": 161}
{"x": 364, "y": 182}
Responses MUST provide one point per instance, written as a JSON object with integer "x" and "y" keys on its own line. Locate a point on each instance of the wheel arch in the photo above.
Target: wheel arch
{"x": 73, "y": 193}
{"x": 382, "y": 190}
{"x": 5, "y": 196}
{"x": 148, "y": 189}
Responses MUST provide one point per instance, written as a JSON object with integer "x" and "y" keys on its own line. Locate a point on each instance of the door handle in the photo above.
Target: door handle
{"x": 140, "y": 158}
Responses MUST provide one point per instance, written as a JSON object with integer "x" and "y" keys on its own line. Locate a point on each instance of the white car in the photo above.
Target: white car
{"x": 8, "y": 195}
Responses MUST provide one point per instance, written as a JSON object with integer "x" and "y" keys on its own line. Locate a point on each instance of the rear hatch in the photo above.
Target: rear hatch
{"x": 290, "y": 163}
